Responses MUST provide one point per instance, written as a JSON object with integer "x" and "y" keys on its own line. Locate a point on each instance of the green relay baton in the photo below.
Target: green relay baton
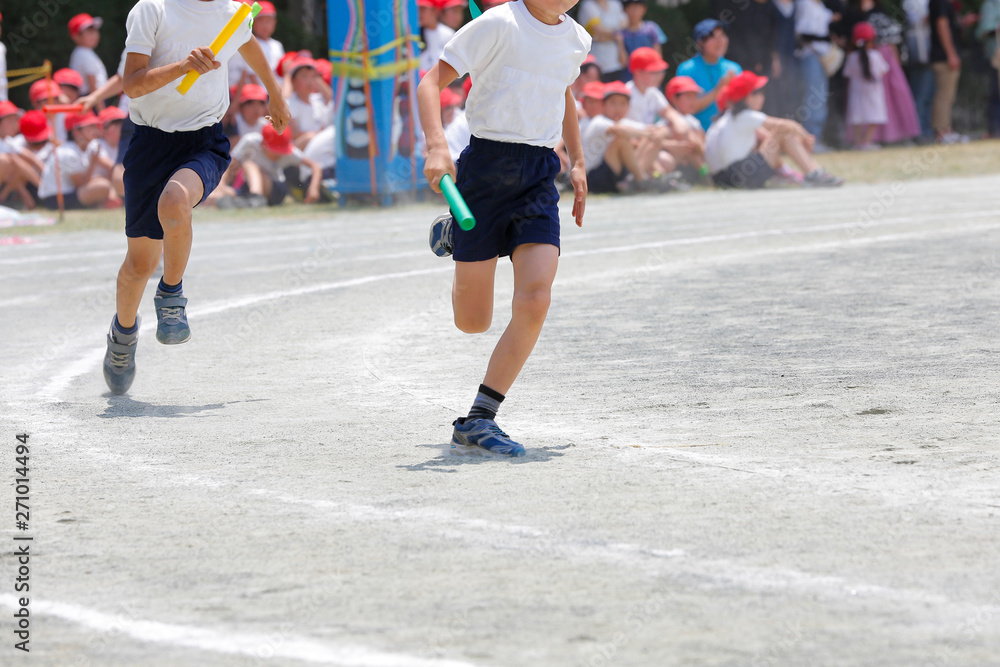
{"x": 459, "y": 208}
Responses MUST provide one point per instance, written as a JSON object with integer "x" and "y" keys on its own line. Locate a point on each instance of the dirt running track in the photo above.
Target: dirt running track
{"x": 762, "y": 429}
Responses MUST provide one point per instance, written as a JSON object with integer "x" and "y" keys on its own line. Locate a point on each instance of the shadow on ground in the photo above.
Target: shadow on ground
{"x": 448, "y": 459}
{"x": 123, "y": 406}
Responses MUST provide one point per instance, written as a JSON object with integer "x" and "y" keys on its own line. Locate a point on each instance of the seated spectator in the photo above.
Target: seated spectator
{"x": 709, "y": 68}
{"x": 43, "y": 92}
{"x": 106, "y": 146}
{"x": 79, "y": 187}
{"x": 744, "y": 147}
{"x": 688, "y": 144}
{"x": 70, "y": 82}
{"x": 310, "y": 99}
{"x": 113, "y": 123}
{"x": 27, "y": 154}
{"x": 263, "y": 29}
{"x": 639, "y": 32}
{"x": 85, "y": 31}
{"x": 591, "y": 104}
{"x": 3, "y": 69}
{"x": 589, "y": 71}
{"x": 270, "y": 163}
{"x": 322, "y": 149}
{"x": 251, "y": 109}
{"x": 433, "y": 33}
{"x": 647, "y": 69}
{"x": 615, "y": 147}
{"x": 453, "y": 13}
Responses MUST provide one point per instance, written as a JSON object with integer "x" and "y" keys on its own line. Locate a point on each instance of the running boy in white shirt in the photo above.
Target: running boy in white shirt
{"x": 527, "y": 49}
{"x": 175, "y": 158}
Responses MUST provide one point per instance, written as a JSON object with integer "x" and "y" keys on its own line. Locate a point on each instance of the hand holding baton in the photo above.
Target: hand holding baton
{"x": 220, "y": 41}
{"x": 459, "y": 209}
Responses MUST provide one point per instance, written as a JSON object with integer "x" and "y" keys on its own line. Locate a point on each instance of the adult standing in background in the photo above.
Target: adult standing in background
{"x": 947, "y": 67}
{"x": 710, "y": 69}
{"x": 785, "y": 89}
{"x": 812, "y": 28}
{"x": 918, "y": 63}
{"x": 604, "y": 19}
{"x": 986, "y": 32}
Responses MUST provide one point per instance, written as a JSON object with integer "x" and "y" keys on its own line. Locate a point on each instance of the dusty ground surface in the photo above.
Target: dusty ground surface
{"x": 761, "y": 430}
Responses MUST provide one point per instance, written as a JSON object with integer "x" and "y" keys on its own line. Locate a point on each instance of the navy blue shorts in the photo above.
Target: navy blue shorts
{"x": 750, "y": 173}
{"x": 153, "y": 156}
{"x": 510, "y": 189}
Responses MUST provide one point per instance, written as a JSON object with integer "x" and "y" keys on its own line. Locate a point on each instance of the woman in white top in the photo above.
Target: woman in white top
{"x": 744, "y": 146}
{"x": 603, "y": 19}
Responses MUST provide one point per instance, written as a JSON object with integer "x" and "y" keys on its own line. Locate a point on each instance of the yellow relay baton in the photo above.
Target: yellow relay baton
{"x": 220, "y": 41}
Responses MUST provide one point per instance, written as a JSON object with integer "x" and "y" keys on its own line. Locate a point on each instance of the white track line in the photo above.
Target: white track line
{"x": 271, "y": 647}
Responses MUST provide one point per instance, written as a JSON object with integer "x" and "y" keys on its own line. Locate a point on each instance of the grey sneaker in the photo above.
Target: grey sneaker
{"x": 171, "y": 320}
{"x": 442, "y": 243}
{"x": 822, "y": 179}
{"x": 119, "y": 362}
{"x": 483, "y": 434}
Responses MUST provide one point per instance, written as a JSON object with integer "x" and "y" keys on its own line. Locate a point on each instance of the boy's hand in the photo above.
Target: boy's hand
{"x": 578, "y": 177}
{"x": 201, "y": 60}
{"x": 312, "y": 195}
{"x": 437, "y": 164}
{"x": 278, "y": 113}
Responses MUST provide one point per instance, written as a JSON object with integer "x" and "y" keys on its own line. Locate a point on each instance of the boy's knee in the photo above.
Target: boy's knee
{"x": 533, "y": 303}
{"x": 140, "y": 266}
{"x": 174, "y": 205}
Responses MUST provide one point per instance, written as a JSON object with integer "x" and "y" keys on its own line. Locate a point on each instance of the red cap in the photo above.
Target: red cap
{"x": 682, "y": 84}
{"x": 40, "y": 90}
{"x": 266, "y": 8}
{"x": 1, "y": 17}
{"x": 325, "y": 69}
{"x": 81, "y": 22}
{"x": 35, "y": 126}
{"x": 8, "y": 109}
{"x": 299, "y": 62}
{"x": 720, "y": 100}
{"x": 279, "y": 143}
{"x": 742, "y": 85}
{"x": 109, "y": 114}
{"x": 594, "y": 90}
{"x": 616, "y": 88}
{"x": 75, "y": 120}
{"x": 428, "y": 3}
{"x": 68, "y": 77}
{"x": 253, "y": 93}
{"x": 589, "y": 60}
{"x": 449, "y": 98}
{"x": 285, "y": 59}
{"x": 445, "y": 4}
{"x": 863, "y": 32}
{"x": 646, "y": 59}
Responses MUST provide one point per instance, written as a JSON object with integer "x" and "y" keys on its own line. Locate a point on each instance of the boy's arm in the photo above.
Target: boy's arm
{"x": 438, "y": 162}
{"x": 277, "y": 108}
{"x": 578, "y": 167}
{"x": 140, "y": 80}
{"x": 312, "y": 192}
{"x": 112, "y": 87}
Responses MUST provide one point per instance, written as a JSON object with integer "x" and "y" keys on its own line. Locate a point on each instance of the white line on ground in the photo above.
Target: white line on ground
{"x": 276, "y": 646}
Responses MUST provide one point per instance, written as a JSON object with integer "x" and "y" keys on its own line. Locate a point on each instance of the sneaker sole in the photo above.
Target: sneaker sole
{"x": 173, "y": 339}
{"x": 465, "y": 449}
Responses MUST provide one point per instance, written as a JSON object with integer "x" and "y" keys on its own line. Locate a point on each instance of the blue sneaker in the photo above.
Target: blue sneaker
{"x": 171, "y": 320}
{"x": 442, "y": 238}
{"x": 484, "y": 434}
{"x": 119, "y": 362}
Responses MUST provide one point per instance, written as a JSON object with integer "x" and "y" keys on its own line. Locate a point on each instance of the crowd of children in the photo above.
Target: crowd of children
{"x": 267, "y": 170}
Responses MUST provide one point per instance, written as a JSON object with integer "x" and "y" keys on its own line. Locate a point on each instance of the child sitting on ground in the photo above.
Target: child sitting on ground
{"x": 78, "y": 185}
{"x": 270, "y": 163}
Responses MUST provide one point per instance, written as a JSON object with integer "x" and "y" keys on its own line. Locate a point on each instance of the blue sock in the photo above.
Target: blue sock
{"x": 126, "y": 331}
{"x": 169, "y": 289}
{"x": 486, "y": 404}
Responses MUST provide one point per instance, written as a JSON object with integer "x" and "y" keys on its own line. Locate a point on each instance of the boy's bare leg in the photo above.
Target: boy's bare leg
{"x": 180, "y": 195}
{"x": 254, "y": 178}
{"x": 95, "y": 192}
{"x": 141, "y": 260}
{"x": 620, "y": 153}
{"x": 534, "y": 270}
{"x": 472, "y": 295}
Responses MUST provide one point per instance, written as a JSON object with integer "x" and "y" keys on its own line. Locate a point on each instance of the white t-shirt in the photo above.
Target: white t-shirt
{"x": 250, "y": 148}
{"x": 243, "y": 127}
{"x": 18, "y": 143}
{"x": 521, "y": 68}
{"x": 311, "y": 116}
{"x": 731, "y": 139}
{"x": 103, "y": 149}
{"x": 457, "y": 134}
{"x": 72, "y": 160}
{"x": 614, "y": 19}
{"x": 167, "y": 31}
{"x": 812, "y": 17}
{"x": 3, "y": 71}
{"x": 273, "y": 50}
{"x": 595, "y": 138}
{"x": 645, "y": 106}
{"x": 434, "y": 39}
{"x": 87, "y": 63}
{"x": 321, "y": 149}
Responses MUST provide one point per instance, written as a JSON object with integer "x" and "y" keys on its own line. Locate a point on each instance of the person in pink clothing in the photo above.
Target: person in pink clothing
{"x": 864, "y": 71}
